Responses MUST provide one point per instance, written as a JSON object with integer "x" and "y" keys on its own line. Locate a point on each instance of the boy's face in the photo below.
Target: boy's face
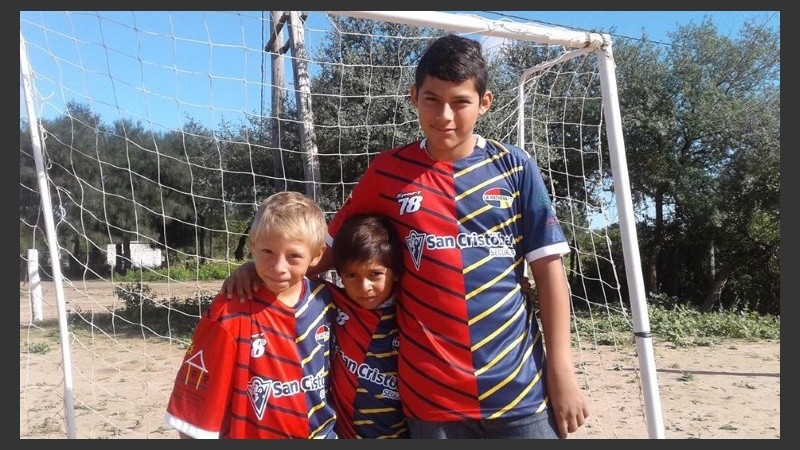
{"x": 448, "y": 113}
{"x": 281, "y": 263}
{"x": 369, "y": 284}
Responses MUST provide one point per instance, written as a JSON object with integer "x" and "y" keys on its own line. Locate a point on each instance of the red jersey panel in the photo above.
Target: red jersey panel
{"x": 471, "y": 347}
{"x": 257, "y": 370}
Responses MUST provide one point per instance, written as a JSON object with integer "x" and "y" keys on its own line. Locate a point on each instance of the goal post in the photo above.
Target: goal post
{"x": 630, "y": 245}
{"x": 162, "y": 129}
{"x": 52, "y": 242}
{"x": 627, "y": 224}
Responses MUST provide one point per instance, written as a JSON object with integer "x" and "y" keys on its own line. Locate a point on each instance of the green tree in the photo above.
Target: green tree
{"x": 695, "y": 117}
{"x": 361, "y": 103}
{"x": 72, "y": 145}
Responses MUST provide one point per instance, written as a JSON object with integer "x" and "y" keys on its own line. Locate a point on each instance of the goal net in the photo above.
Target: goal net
{"x": 147, "y": 140}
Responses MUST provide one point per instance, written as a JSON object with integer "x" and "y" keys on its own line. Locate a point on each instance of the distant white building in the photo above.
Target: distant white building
{"x": 142, "y": 255}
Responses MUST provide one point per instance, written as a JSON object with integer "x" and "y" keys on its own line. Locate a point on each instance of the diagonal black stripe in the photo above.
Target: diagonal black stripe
{"x": 352, "y": 381}
{"x": 437, "y": 285}
{"x": 278, "y": 359}
{"x": 409, "y": 297}
{"x": 262, "y": 426}
{"x": 424, "y": 210}
{"x": 426, "y": 398}
{"x": 414, "y": 161}
{"x": 411, "y": 182}
{"x": 356, "y": 319}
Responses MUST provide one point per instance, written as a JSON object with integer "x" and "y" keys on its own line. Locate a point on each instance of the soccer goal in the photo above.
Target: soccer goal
{"x": 147, "y": 139}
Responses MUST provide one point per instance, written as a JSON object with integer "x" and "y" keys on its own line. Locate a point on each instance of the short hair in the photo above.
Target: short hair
{"x": 453, "y": 58}
{"x": 368, "y": 237}
{"x": 292, "y": 215}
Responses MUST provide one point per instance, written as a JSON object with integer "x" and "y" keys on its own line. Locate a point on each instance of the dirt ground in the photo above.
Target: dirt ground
{"x": 120, "y": 382}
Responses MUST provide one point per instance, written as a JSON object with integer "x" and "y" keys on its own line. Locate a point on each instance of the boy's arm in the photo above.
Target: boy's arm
{"x": 203, "y": 385}
{"x": 244, "y": 281}
{"x": 566, "y": 400}
{"x": 325, "y": 264}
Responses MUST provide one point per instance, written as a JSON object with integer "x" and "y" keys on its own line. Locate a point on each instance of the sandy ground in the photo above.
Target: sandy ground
{"x": 120, "y": 382}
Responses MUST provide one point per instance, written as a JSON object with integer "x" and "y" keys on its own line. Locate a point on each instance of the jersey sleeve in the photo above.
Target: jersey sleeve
{"x": 543, "y": 233}
{"x": 198, "y": 405}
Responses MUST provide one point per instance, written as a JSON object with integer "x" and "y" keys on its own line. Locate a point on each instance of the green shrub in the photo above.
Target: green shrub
{"x": 135, "y": 295}
{"x": 174, "y": 317}
{"x": 216, "y": 271}
{"x": 678, "y": 323}
{"x": 39, "y": 348}
{"x": 670, "y": 321}
{"x": 177, "y": 272}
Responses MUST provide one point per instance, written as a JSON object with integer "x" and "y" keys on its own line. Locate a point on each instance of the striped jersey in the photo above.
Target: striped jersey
{"x": 258, "y": 369}
{"x": 364, "y": 371}
{"x": 472, "y": 348}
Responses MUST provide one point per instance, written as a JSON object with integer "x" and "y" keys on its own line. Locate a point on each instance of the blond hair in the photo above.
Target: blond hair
{"x": 292, "y": 215}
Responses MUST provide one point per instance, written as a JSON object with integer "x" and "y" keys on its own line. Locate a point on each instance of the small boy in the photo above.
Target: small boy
{"x": 260, "y": 369}
{"x": 368, "y": 258}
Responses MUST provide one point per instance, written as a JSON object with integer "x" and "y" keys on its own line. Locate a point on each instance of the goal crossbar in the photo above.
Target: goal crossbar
{"x": 496, "y": 28}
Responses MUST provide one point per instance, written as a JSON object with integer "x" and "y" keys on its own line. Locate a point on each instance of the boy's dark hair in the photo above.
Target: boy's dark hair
{"x": 368, "y": 237}
{"x": 453, "y": 58}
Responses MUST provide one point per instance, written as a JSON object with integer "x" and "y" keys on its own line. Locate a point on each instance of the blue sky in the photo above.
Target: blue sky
{"x": 143, "y": 62}
{"x": 657, "y": 24}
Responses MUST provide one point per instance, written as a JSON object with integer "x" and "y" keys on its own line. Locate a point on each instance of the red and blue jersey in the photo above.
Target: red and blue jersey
{"x": 258, "y": 369}
{"x": 364, "y": 372}
{"x": 471, "y": 348}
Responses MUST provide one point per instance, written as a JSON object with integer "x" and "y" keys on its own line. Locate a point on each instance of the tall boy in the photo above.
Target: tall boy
{"x": 260, "y": 369}
{"x": 472, "y": 212}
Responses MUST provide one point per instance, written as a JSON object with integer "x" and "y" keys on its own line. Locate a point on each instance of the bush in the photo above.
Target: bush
{"x": 173, "y": 317}
{"x": 679, "y": 323}
{"x": 670, "y": 321}
{"x": 188, "y": 272}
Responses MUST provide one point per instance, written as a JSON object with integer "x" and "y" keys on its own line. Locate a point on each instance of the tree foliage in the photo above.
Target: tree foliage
{"x": 698, "y": 118}
{"x": 361, "y": 101}
{"x": 701, "y": 125}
